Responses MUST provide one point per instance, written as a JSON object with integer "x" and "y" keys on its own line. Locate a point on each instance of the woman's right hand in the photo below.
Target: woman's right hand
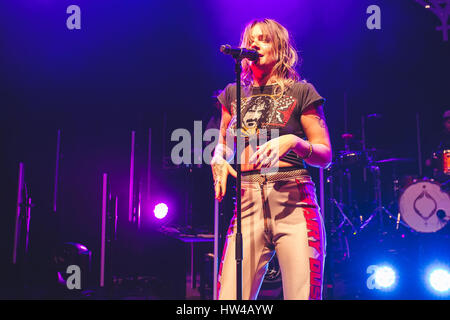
{"x": 220, "y": 169}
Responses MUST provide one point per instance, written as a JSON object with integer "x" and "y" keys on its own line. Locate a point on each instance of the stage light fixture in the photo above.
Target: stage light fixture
{"x": 382, "y": 277}
{"x": 161, "y": 210}
{"x": 439, "y": 279}
{"x": 385, "y": 277}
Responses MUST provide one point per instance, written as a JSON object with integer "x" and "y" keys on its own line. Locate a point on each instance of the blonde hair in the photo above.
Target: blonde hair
{"x": 287, "y": 58}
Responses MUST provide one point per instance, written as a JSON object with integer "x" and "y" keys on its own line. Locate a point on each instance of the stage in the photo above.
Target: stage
{"x": 109, "y": 122}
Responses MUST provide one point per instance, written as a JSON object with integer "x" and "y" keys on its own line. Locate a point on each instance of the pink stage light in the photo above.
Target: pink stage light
{"x": 160, "y": 210}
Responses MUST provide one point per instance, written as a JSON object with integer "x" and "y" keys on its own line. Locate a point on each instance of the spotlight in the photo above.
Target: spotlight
{"x": 160, "y": 210}
{"x": 439, "y": 280}
{"x": 385, "y": 277}
{"x": 382, "y": 277}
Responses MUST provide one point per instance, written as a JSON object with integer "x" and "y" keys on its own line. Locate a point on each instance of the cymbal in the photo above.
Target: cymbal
{"x": 349, "y": 152}
{"x": 391, "y": 160}
{"x": 347, "y": 136}
{"x": 372, "y": 152}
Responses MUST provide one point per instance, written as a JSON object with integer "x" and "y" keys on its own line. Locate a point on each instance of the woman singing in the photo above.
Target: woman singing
{"x": 279, "y": 208}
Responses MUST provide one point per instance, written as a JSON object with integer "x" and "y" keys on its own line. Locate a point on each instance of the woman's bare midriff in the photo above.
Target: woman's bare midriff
{"x": 246, "y": 166}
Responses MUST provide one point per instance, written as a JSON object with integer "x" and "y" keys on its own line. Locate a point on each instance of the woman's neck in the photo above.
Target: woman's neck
{"x": 261, "y": 82}
{"x": 262, "y": 78}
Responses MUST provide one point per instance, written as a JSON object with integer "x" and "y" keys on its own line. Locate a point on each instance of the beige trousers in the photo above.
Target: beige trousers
{"x": 279, "y": 216}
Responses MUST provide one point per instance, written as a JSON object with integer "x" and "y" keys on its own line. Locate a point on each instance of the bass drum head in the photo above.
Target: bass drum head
{"x": 425, "y": 207}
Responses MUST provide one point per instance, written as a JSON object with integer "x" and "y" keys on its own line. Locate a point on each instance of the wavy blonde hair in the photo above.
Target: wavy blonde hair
{"x": 285, "y": 53}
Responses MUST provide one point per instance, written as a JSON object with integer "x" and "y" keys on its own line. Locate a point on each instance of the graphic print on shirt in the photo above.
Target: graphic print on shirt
{"x": 263, "y": 111}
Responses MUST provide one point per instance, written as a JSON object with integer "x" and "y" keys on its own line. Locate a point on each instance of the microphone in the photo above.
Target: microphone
{"x": 441, "y": 214}
{"x": 240, "y": 53}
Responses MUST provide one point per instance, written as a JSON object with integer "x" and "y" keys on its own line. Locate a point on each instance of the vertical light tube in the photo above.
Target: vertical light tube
{"x": 138, "y": 209}
{"x": 149, "y": 163}
{"x": 27, "y": 239}
{"x": 115, "y": 217}
{"x": 130, "y": 196}
{"x": 103, "y": 231}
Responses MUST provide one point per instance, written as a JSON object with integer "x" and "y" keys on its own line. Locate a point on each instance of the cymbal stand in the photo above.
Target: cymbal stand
{"x": 344, "y": 177}
{"x": 375, "y": 170}
{"x": 339, "y": 206}
{"x": 380, "y": 209}
{"x": 397, "y": 218}
{"x": 341, "y": 239}
{"x": 345, "y": 218}
{"x": 347, "y": 173}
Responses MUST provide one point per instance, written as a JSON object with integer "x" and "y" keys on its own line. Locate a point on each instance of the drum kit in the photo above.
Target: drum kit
{"x": 369, "y": 189}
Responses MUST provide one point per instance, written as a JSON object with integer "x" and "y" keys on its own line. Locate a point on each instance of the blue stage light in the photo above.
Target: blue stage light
{"x": 439, "y": 279}
{"x": 385, "y": 277}
{"x": 382, "y": 277}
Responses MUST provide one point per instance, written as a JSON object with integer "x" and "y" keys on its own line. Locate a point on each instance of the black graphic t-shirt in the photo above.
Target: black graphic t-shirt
{"x": 263, "y": 108}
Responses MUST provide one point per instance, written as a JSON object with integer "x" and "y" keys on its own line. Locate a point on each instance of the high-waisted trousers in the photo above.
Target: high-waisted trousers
{"x": 279, "y": 214}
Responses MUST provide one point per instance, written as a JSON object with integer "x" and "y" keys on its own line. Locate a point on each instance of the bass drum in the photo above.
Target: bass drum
{"x": 424, "y": 206}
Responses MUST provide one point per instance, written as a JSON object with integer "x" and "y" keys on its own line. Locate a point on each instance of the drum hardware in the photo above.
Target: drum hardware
{"x": 441, "y": 214}
{"x": 372, "y": 167}
{"x": 391, "y": 216}
{"x": 345, "y": 168}
{"x": 397, "y": 190}
{"x": 341, "y": 242}
{"x": 445, "y": 187}
{"x": 342, "y": 166}
{"x": 345, "y": 174}
{"x": 347, "y": 137}
{"x": 391, "y": 160}
{"x": 399, "y": 187}
{"x": 422, "y": 205}
{"x": 345, "y": 218}
{"x": 337, "y": 222}
{"x": 370, "y": 162}
{"x": 446, "y": 161}
{"x": 375, "y": 170}
{"x": 441, "y": 163}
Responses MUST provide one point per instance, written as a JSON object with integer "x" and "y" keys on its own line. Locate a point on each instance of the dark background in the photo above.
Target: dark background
{"x": 136, "y": 65}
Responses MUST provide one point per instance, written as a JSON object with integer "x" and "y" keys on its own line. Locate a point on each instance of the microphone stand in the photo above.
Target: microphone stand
{"x": 239, "y": 242}
{"x": 238, "y": 55}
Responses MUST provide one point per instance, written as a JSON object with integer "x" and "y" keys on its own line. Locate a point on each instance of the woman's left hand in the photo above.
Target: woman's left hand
{"x": 268, "y": 154}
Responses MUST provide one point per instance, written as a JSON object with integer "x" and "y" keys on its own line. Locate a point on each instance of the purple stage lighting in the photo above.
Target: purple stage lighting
{"x": 161, "y": 210}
